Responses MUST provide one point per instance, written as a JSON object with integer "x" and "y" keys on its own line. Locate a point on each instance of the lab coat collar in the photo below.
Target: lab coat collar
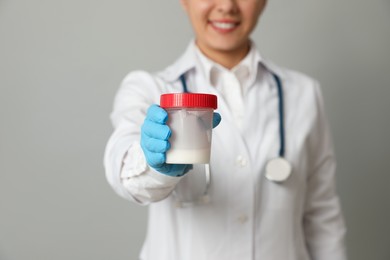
{"x": 188, "y": 61}
{"x": 210, "y": 69}
{"x": 267, "y": 64}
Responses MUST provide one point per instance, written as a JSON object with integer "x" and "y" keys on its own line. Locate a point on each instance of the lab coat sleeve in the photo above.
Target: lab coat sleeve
{"x": 124, "y": 161}
{"x": 323, "y": 220}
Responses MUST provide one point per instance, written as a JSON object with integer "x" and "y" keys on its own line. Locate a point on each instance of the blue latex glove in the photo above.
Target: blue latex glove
{"x": 154, "y": 141}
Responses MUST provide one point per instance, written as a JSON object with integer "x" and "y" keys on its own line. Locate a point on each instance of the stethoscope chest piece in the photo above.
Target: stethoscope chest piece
{"x": 278, "y": 169}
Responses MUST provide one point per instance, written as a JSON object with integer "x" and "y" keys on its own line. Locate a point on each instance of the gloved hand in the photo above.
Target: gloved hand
{"x": 154, "y": 141}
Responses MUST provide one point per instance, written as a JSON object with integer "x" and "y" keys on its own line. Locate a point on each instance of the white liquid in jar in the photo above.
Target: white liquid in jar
{"x": 191, "y": 136}
{"x": 189, "y": 156}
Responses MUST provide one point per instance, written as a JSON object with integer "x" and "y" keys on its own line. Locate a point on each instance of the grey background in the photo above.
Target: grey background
{"x": 62, "y": 61}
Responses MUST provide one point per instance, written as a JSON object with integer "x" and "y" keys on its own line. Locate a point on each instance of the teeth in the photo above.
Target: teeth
{"x": 224, "y": 25}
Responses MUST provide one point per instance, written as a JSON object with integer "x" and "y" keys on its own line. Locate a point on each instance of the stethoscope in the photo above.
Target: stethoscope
{"x": 277, "y": 169}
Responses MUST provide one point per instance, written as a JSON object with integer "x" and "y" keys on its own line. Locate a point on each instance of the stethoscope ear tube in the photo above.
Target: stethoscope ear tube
{"x": 183, "y": 83}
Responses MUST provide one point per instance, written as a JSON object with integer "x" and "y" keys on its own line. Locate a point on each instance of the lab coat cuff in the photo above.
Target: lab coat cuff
{"x": 163, "y": 178}
{"x": 134, "y": 163}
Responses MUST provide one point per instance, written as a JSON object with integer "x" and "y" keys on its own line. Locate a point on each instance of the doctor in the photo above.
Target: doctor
{"x": 229, "y": 210}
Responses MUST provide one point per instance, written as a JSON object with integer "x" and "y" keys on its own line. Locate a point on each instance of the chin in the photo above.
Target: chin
{"x": 228, "y": 46}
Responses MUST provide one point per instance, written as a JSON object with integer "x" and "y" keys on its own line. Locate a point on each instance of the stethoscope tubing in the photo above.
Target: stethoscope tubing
{"x": 281, "y": 114}
{"x": 279, "y": 86}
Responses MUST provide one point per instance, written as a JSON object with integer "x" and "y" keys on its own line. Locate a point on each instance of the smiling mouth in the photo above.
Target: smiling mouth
{"x": 224, "y": 26}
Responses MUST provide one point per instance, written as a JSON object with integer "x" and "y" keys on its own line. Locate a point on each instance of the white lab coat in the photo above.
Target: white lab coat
{"x": 247, "y": 217}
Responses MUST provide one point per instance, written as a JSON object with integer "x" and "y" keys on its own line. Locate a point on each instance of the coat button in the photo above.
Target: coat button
{"x": 241, "y": 161}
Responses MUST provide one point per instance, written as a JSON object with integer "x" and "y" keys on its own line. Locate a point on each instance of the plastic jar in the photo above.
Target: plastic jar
{"x": 190, "y": 118}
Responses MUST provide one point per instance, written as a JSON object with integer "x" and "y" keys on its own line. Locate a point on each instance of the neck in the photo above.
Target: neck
{"x": 227, "y": 59}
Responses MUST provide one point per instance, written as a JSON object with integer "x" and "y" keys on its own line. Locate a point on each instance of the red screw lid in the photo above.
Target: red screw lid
{"x": 193, "y": 100}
